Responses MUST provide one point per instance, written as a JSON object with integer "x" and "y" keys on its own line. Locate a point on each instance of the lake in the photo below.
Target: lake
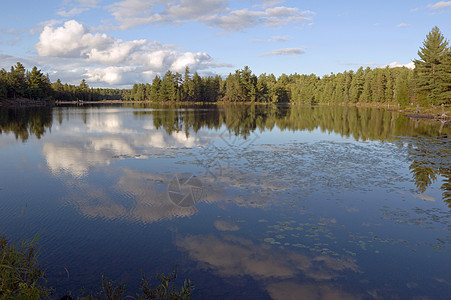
{"x": 248, "y": 201}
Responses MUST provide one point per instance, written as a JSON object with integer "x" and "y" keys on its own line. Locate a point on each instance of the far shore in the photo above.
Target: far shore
{"x": 431, "y": 112}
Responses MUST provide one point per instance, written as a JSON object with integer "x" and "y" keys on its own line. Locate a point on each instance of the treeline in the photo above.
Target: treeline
{"x": 69, "y": 92}
{"x": 21, "y": 83}
{"x": 365, "y": 85}
{"x": 428, "y": 84}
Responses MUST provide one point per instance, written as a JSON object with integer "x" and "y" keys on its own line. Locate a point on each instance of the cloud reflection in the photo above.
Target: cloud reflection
{"x": 234, "y": 256}
{"x": 137, "y": 197}
{"x": 276, "y": 268}
{"x": 74, "y": 150}
{"x": 143, "y": 197}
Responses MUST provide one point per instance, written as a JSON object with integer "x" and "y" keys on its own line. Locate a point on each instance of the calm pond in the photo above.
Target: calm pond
{"x": 247, "y": 201}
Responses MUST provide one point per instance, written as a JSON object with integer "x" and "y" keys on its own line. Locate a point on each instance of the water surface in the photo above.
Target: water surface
{"x": 247, "y": 201}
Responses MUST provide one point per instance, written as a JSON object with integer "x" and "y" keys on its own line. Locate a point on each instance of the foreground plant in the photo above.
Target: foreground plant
{"x": 20, "y": 273}
{"x": 163, "y": 289}
{"x": 166, "y": 290}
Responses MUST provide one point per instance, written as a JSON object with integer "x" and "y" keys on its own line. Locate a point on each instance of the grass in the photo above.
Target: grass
{"x": 21, "y": 277}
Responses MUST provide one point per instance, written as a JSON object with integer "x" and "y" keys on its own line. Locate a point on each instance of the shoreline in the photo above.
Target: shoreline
{"x": 25, "y": 102}
{"x": 430, "y": 113}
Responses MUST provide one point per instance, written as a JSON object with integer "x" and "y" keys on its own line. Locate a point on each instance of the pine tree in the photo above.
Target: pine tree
{"x": 155, "y": 89}
{"x": 430, "y": 75}
{"x": 38, "y": 85}
{"x": 198, "y": 88}
{"x": 367, "y": 91}
{"x": 16, "y": 81}
{"x": 357, "y": 85}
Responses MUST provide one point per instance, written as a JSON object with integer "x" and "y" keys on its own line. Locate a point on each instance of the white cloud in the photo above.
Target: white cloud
{"x": 189, "y": 59}
{"x": 270, "y": 3}
{"x": 276, "y": 16}
{"x": 117, "y": 53}
{"x": 279, "y": 38}
{"x": 214, "y": 13}
{"x": 110, "y": 75}
{"x": 286, "y": 51}
{"x": 395, "y": 64}
{"x": 70, "y": 40}
{"x": 403, "y": 25}
{"x": 102, "y": 58}
{"x": 237, "y": 20}
{"x": 440, "y": 5}
{"x": 195, "y": 9}
{"x": 76, "y": 7}
{"x": 273, "y": 39}
{"x": 72, "y": 12}
{"x": 131, "y": 13}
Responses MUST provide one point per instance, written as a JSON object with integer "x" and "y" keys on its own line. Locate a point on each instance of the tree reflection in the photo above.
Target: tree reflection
{"x": 241, "y": 119}
{"x": 424, "y": 176}
{"x": 24, "y": 122}
{"x": 446, "y": 186}
{"x": 431, "y": 158}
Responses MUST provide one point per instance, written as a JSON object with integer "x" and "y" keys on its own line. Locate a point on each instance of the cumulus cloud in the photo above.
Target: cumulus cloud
{"x": 440, "y": 5}
{"x": 114, "y": 61}
{"x": 110, "y": 75}
{"x": 70, "y": 40}
{"x": 403, "y": 25}
{"x": 213, "y": 13}
{"x": 286, "y": 51}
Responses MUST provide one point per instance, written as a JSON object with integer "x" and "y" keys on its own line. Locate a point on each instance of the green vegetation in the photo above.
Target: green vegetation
{"x": 428, "y": 84}
{"x": 20, "y": 274}
{"x": 68, "y": 92}
{"x": 20, "y": 83}
{"x": 25, "y": 122}
{"x": 433, "y": 70}
{"x": 164, "y": 289}
{"x": 21, "y": 277}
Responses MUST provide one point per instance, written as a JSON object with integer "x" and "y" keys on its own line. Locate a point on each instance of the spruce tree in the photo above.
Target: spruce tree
{"x": 430, "y": 75}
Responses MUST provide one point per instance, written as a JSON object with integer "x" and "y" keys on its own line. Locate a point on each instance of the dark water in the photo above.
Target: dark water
{"x": 248, "y": 201}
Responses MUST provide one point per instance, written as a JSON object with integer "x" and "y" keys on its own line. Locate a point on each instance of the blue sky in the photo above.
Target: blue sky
{"x": 117, "y": 43}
